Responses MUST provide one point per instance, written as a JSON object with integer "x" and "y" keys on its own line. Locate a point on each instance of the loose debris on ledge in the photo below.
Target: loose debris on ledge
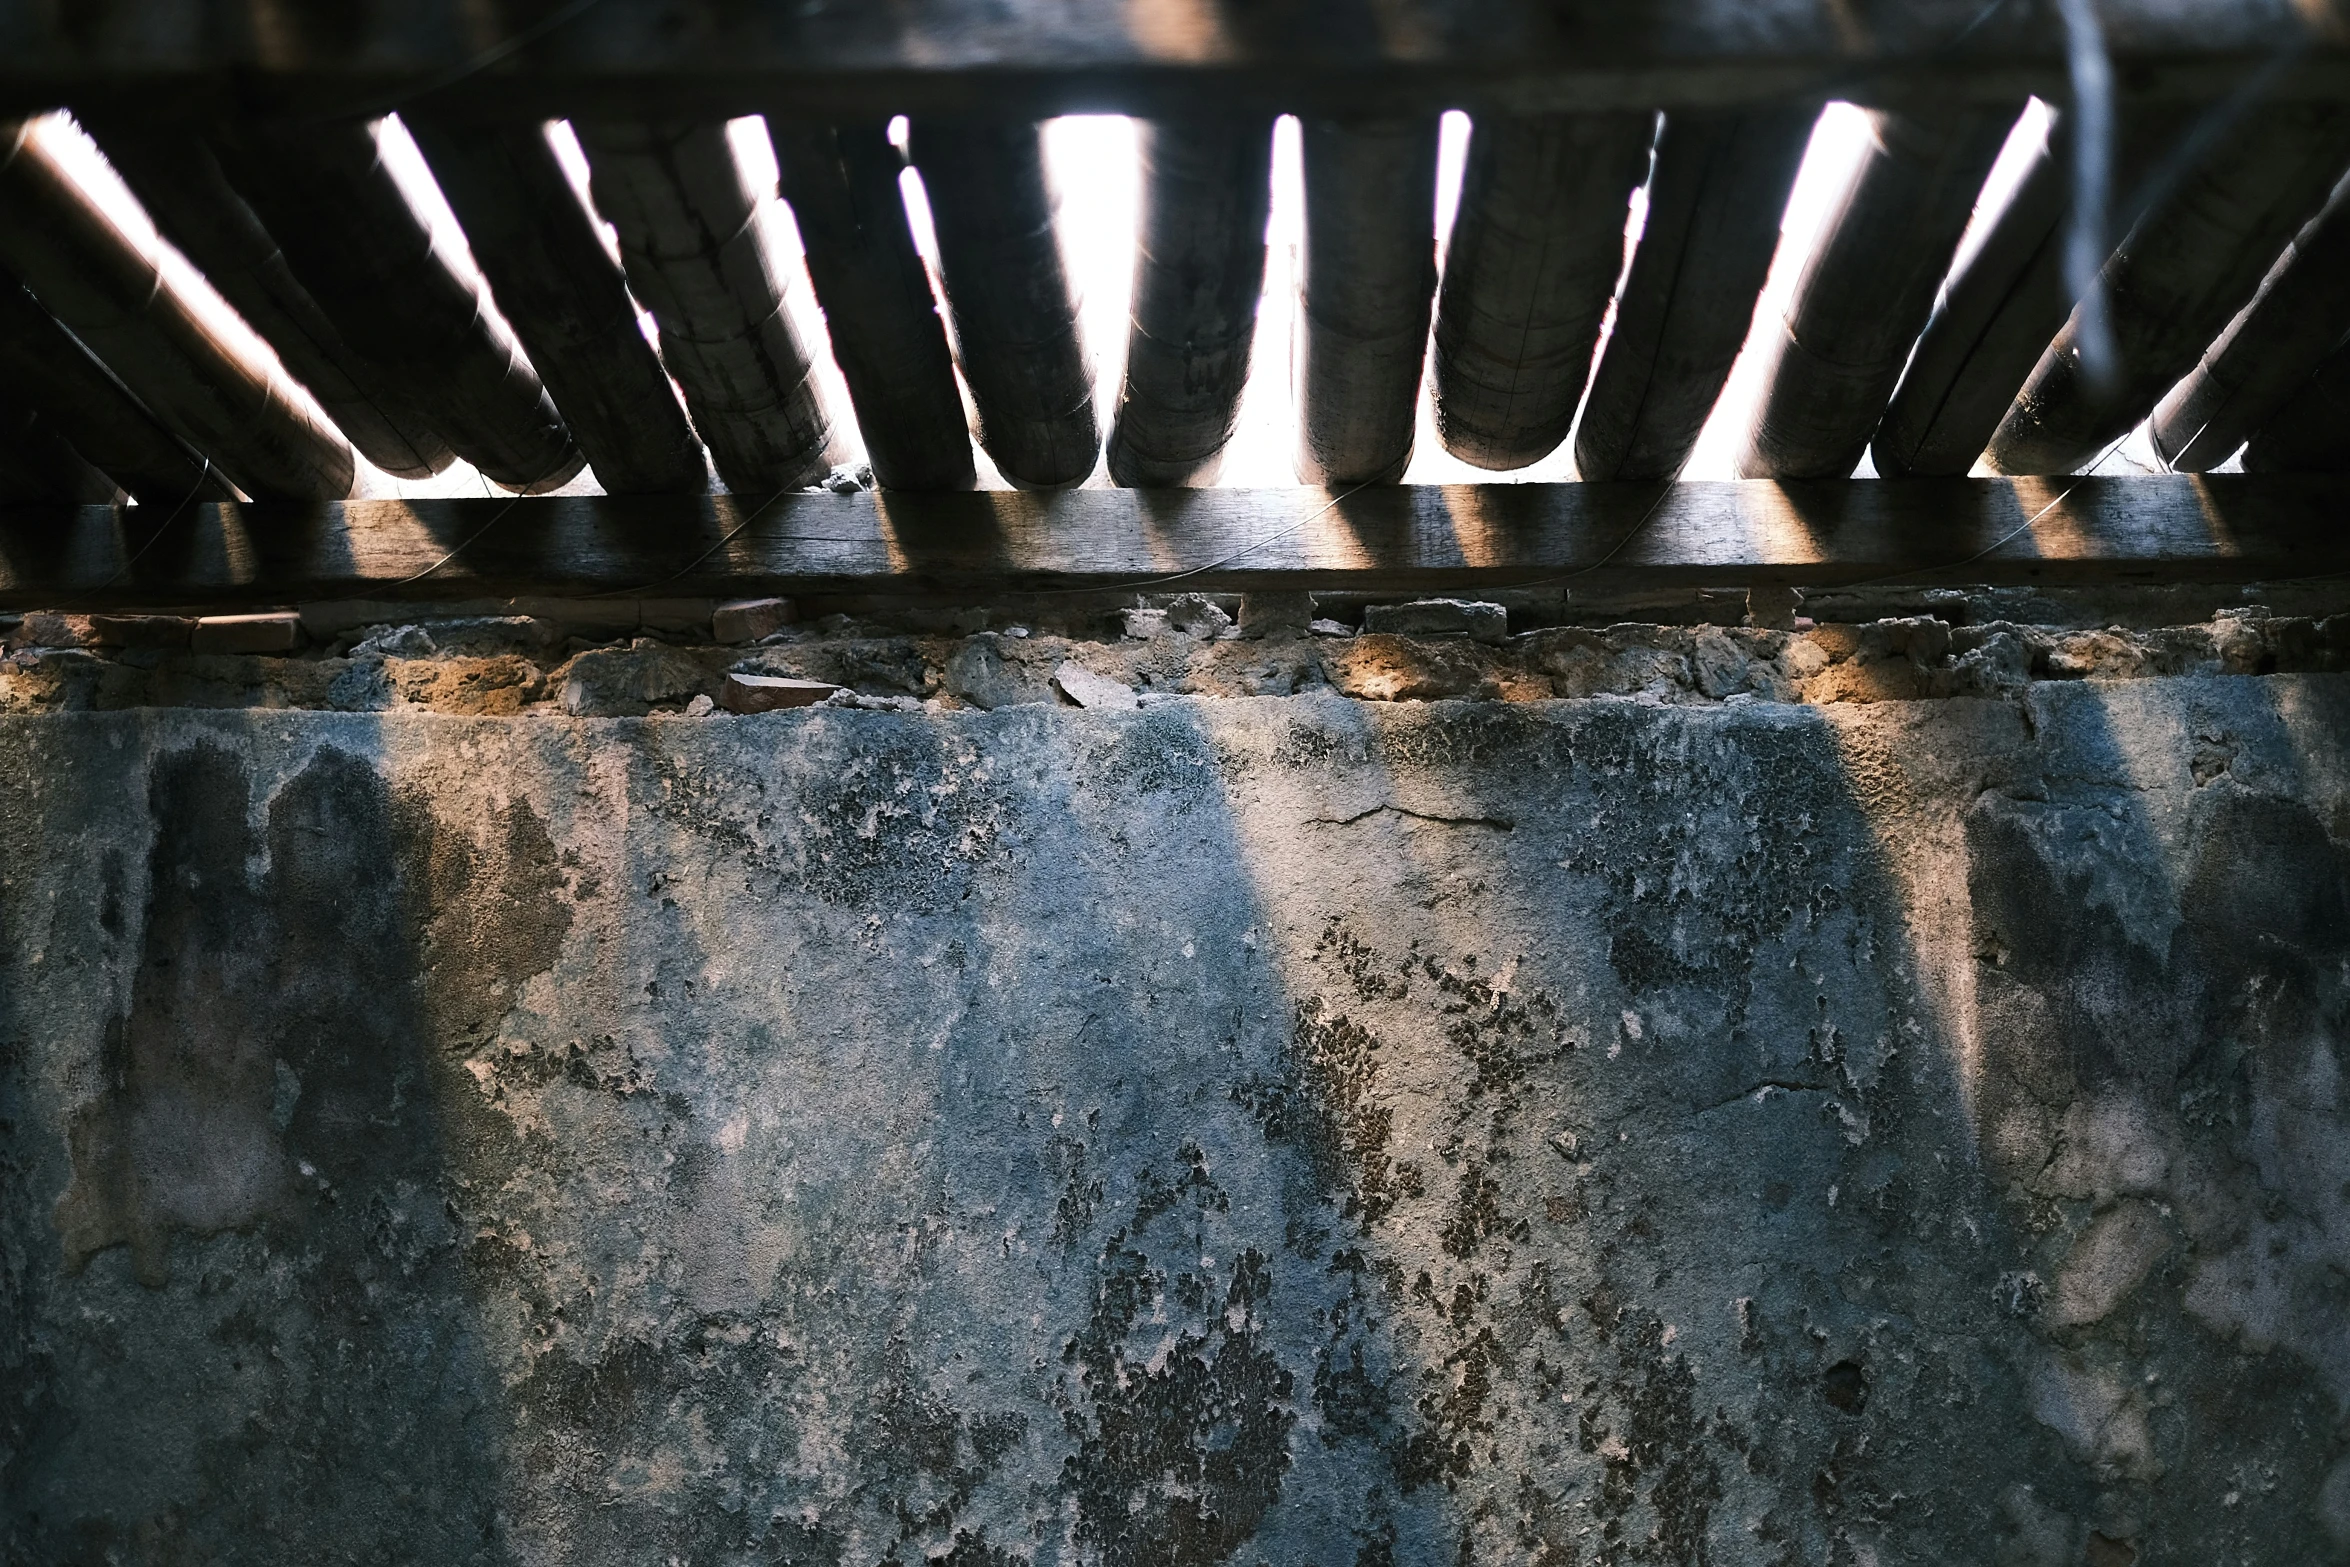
{"x": 589, "y": 658}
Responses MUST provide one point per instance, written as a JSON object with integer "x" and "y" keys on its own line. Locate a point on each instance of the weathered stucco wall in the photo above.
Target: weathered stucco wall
{"x": 1287, "y": 1130}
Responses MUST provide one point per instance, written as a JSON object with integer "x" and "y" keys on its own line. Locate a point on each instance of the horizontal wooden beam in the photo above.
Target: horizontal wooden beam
{"x": 1024, "y": 58}
{"x": 976, "y": 546}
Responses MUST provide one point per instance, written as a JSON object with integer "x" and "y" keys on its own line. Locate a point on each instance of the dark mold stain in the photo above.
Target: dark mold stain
{"x": 1181, "y": 1452}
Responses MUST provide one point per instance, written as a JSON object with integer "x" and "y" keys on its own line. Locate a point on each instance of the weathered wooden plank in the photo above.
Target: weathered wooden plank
{"x": 843, "y": 185}
{"x": 1401, "y": 539}
{"x": 1199, "y": 270}
{"x": 90, "y": 413}
{"x": 566, "y": 300}
{"x": 667, "y": 59}
{"x": 1716, "y": 191}
{"x": 1536, "y": 246}
{"x": 1368, "y": 286}
{"x": 2269, "y": 352}
{"x": 368, "y": 259}
{"x": 1015, "y": 321}
{"x": 91, "y": 276}
{"x": 1868, "y": 290}
{"x": 177, "y": 178}
{"x": 2175, "y": 281}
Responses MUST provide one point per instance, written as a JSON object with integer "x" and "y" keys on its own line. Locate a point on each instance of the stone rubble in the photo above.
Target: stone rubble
{"x": 599, "y": 660}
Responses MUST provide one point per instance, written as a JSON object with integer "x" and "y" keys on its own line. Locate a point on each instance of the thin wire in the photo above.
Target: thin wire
{"x": 1217, "y": 565}
{"x": 2022, "y": 527}
{"x": 460, "y": 548}
{"x": 203, "y": 478}
{"x": 1614, "y": 549}
{"x": 726, "y": 539}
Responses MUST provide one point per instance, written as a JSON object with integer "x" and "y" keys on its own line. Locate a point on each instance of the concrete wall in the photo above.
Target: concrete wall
{"x": 1289, "y": 1130}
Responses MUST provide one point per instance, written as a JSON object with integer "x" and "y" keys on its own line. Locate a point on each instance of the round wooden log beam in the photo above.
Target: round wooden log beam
{"x": 39, "y": 465}
{"x": 842, "y": 184}
{"x": 689, "y": 238}
{"x": 2311, "y": 432}
{"x": 82, "y": 405}
{"x": 109, "y": 293}
{"x": 2174, "y": 282}
{"x": 566, "y": 300}
{"x": 1537, "y": 244}
{"x": 2005, "y": 301}
{"x": 173, "y": 172}
{"x": 1716, "y": 192}
{"x": 2300, "y": 314}
{"x": 1199, "y": 271}
{"x": 1015, "y": 321}
{"x": 1869, "y": 289}
{"x": 1369, "y": 284}
{"x": 352, "y": 239}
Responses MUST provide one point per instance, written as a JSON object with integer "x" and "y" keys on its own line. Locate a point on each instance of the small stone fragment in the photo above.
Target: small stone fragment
{"x": 1440, "y": 618}
{"x": 1330, "y": 628}
{"x": 142, "y": 630}
{"x": 1719, "y": 663}
{"x": 860, "y": 701}
{"x": 1143, "y": 624}
{"x": 980, "y": 674}
{"x": 1197, "y": 615}
{"x": 747, "y": 620}
{"x": 1087, "y": 689}
{"x": 47, "y": 628}
{"x": 483, "y": 636}
{"x": 766, "y": 693}
{"x": 274, "y": 632}
{"x": 396, "y": 642}
{"x": 618, "y": 682}
{"x": 1773, "y": 605}
{"x": 701, "y": 706}
{"x": 1376, "y": 667}
{"x": 1275, "y": 614}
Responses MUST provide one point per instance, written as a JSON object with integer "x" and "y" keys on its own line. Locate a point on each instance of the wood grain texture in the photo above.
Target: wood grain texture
{"x": 1537, "y": 244}
{"x": 567, "y": 302}
{"x": 111, "y": 295}
{"x": 84, "y": 409}
{"x": 689, "y": 238}
{"x": 2173, "y": 283}
{"x": 368, "y": 259}
{"x": 665, "y": 59}
{"x": 842, "y": 182}
{"x": 1367, "y": 285}
{"x": 173, "y": 172}
{"x": 1008, "y": 294}
{"x": 2007, "y": 298}
{"x": 1403, "y": 539}
{"x": 2269, "y": 352}
{"x": 1199, "y": 270}
{"x": 1716, "y": 191}
{"x": 1868, "y": 290}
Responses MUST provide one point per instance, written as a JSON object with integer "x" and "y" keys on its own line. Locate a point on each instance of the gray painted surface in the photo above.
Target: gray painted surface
{"x": 1282, "y": 1130}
